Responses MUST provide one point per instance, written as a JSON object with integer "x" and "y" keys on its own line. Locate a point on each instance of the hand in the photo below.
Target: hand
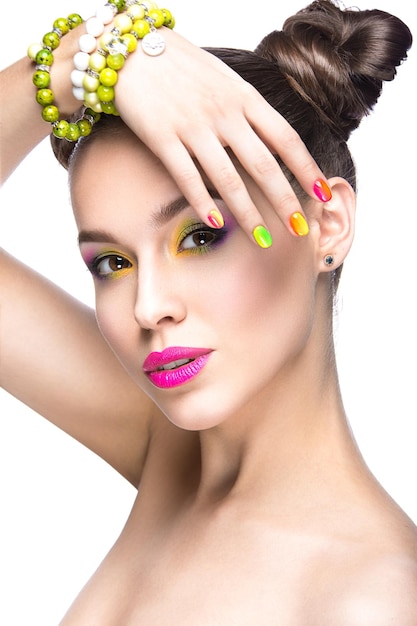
{"x": 187, "y": 104}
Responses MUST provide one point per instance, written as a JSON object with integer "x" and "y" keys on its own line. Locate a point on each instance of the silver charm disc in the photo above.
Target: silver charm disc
{"x": 153, "y": 44}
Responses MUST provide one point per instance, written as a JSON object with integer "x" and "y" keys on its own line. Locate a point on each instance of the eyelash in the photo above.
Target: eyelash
{"x": 202, "y": 230}
{"x": 94, "y": 266}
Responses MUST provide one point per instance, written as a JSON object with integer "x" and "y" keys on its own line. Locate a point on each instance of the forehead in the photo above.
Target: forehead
{"x": 116, "y": 172}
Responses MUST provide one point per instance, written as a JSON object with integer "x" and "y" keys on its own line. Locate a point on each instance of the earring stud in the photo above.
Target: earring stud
{"x": 328, "y": 260}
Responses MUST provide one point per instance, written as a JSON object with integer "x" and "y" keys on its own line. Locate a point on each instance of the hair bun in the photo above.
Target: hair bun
{"x": 338, "y": 59}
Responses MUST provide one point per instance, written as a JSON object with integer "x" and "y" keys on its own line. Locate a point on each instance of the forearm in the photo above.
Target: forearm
{"x": 22, "y": 126}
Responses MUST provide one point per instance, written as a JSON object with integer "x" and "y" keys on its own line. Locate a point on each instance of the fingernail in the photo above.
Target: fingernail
{"x": 299, "y": 224}
{"x": 262, "y": 237}
{"x": 322, "y": 190}
{"x": 216, "y": 219}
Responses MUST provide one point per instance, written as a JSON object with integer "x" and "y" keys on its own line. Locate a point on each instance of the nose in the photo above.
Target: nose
{"x": 158, "y": 299}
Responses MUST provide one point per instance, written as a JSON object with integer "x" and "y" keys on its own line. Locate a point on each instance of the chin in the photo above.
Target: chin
{"x": 194, "y": 410}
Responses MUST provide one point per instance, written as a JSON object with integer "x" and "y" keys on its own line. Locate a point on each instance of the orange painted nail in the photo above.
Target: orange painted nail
{"x": 299, "y": 224}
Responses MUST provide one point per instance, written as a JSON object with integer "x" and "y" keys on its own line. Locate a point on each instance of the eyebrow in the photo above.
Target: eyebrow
{"x": 159, "y": 218}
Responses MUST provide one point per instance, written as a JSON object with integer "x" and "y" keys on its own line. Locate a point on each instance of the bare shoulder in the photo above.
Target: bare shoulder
{"x": 380, "y": 586}
{"x": 384, "y": 593}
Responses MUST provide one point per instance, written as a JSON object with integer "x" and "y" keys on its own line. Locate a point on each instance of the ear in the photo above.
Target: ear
{"x": 335, "y": 224}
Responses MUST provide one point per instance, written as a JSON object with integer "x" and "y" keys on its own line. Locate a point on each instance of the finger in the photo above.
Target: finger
{"x": 227, "y": 181}
{"x": 264, "y": 169}
{"x": 219, "y": 169}
{"x": 283, "y": 140}
{"x": 184, "y": 171}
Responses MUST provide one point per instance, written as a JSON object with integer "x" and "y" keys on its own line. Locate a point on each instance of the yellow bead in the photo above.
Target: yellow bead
{"x": 33, "y": 50}
{"x": 108, "y": 77}
{"x": 105, "y": 40}
{"x": 141, "y": 28}
{"x": 168, "y": 18}
{"x": 90, "y": 83}
{"x": 123, "y": 23}
{"x": 130, "y": 42}
{"x": 136, "y": 12}
{"x": 91, "y": 100}
{"x": 157, "y": 16}
{"x": 105, "y": 94}
{"x": 116, "y": 61}
{"x": 149, "y": 5}
{"x": 97, "y": 62}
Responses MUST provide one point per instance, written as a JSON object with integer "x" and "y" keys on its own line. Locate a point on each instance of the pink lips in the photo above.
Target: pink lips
{"x": 175, "y": 366}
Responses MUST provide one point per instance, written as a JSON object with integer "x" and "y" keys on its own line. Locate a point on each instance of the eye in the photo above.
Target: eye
{"x": 109, "y": 265}
{"x": 200, "y": 238}
{"x": 197, "y": 239}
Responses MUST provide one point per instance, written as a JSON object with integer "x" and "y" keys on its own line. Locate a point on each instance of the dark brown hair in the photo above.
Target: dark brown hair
{"x": 323, "y": 72}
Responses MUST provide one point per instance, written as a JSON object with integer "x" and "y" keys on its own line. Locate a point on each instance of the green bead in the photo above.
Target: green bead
{"x": 157, "y": 16}
{"x": 85, "y": 127}
{"x": 41, "y": 79}
{"x": 119, "y": 4}
{"x": 73, "y": 133}
{"x": 130, "y": 42}
{"x": 108, "y": 77}
{"x": 141, "y": 28}
{"x": 115, "y": 62}
{"x": 60, "y": 129}
{"x": 105, "y": 94}
{"x": 50, "y": 113}
{"x": 44, "y": 96}
{"x": 51, "y": 40}
{"x": 93, "y": 114}
{"x": 168, "y": 18}
{"x": 74, "y": 20}
{"x": 44, "y": 57}
{"x": 108, "y": 107}
{"x": 62, "y": 24}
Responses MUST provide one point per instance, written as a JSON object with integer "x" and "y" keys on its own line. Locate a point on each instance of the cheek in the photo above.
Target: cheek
{"x": 267, "y": 301}
{"x": 114, "y": 314}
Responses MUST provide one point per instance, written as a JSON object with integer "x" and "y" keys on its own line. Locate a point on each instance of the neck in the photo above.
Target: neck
{"x": 293, "y": 431}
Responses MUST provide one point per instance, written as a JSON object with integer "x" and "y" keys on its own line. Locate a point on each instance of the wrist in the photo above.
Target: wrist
{"x": 61, "y": 72}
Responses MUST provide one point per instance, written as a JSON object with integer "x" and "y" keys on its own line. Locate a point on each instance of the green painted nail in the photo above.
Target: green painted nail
{"x": 262, "y": 237}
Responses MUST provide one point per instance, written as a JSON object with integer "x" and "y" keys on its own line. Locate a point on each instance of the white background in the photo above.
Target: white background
{"x": 62, "y": 507}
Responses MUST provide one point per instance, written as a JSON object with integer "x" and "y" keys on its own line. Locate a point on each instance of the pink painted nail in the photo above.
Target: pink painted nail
{"x": 322, "y": 190}
{"x": 216, "y": 219}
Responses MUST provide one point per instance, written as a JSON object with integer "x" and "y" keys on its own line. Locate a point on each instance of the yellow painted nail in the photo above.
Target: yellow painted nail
{"x": 216, "y": 219}
{"x": 262, "y": 237}
{"x": 299, "y": 224}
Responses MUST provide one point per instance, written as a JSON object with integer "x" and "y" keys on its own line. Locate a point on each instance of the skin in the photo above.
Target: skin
{"x": 233, "y": 115}
{"x": 255, "y": 508}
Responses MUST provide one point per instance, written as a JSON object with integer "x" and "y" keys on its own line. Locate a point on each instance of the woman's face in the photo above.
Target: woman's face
{"x": 203, "y": 320}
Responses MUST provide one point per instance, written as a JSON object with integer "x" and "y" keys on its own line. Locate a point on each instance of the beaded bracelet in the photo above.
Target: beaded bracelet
{"x": 42, "y": 55}
{"x": 101, "y": 56}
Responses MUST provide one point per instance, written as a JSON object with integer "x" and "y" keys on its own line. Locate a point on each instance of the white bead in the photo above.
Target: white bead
{"x": 87, "y": 43}
{"x": 105, "y": 14}
{"x": 81, "y": 60}
{"x": 33, "y": 50}
{"x": 94, "y": 27}
{"x": 77, "y": 77}
{"x": 78, "y": 93}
